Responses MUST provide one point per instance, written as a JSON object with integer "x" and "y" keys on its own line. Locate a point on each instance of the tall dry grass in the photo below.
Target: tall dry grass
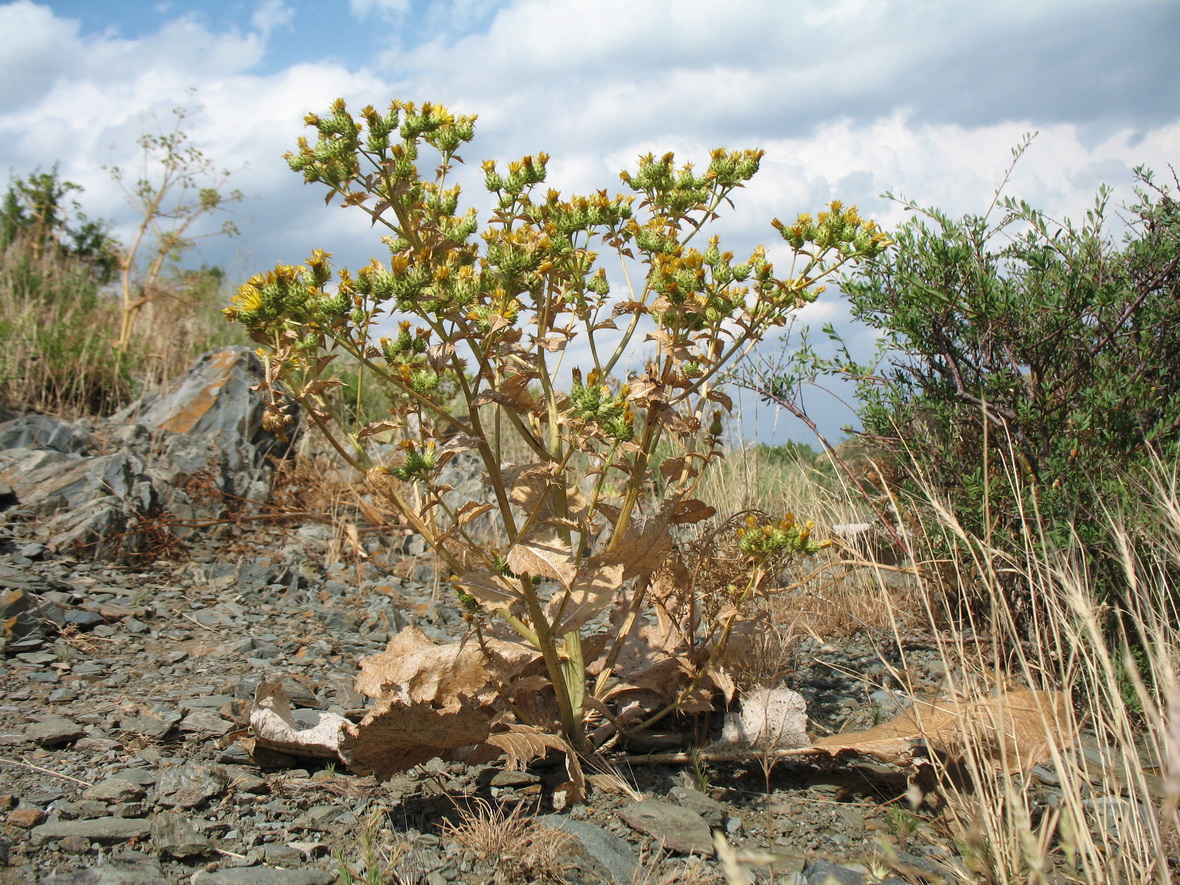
{"x": 1113, "y": 750}
{"x": 58, "y": 328}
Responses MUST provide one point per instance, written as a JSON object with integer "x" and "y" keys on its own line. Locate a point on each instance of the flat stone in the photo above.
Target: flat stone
{"x": 54, "y": 732}
{"x": 204, "y": 722}
{"x": 27, "y": 818}
{"x": 173, "y": 836}
{"x": 677, "y": 829}
{"x": 115, "y": 789}
{"x": 710, "y": 810}
{"x": 264, "y": 876}
{"x": 105, "y": 830}
{"x": 131, "y": 869}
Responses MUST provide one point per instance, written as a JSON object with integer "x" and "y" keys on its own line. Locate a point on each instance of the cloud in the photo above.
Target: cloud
{"x": 271, "y": 14}
{"x": 849, "y": 99}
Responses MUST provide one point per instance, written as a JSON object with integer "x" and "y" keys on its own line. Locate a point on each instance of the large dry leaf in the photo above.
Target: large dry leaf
{"x": 1012, "y": 731}
{"x": 398, "y": 735}
{"x": 275, "y": 727}
{"x": 528, "y": 488}
{"x": 595, "y": 588}
{"x": 414, "y": 668}
{"x": 544, "y": 556}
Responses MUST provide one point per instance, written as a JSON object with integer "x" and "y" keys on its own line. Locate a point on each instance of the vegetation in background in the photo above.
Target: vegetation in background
{"x": 578, "y": 529}
{"x": 1030, "y": 379}
{"x": 67, "y": 344}
{"x": 177, "y": 186}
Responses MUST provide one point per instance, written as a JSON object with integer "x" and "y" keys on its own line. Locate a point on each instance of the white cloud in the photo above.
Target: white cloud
{"x": 848, "y": 99}
{"x": 271, "y": 14}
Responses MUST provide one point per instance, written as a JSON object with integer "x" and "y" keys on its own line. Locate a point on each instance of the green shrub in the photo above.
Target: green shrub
{"x": 1031, "y": 377}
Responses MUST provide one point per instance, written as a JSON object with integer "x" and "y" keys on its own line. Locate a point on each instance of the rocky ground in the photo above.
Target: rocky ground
{"x": 129, "y": 677}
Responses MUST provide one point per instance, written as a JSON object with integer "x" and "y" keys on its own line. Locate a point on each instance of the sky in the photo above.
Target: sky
{"x": 849, "y": 98}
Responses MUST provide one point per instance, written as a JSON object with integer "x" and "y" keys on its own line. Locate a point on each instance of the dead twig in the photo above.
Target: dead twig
{"x": 25, "y": 763}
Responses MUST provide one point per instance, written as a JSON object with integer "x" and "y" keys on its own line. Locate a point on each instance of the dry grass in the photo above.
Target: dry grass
{"x": 513, "y": 844}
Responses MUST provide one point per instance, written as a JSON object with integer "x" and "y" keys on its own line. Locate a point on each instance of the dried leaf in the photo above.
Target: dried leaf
{"x": 545, "y": 556}
{"x": 398, "y": 734}
{"x": 378, "y": 427}
{"x": 1013, "y": 731}
{"x": 594, "y": 589}
{"x": 521, "y": 744}
{"x": 718, "y": 397}
{"x": 471, "y": 510}
{"x": 275, "y": 727}
{"x": 553, "y": 344}
{"x": 691, "y": 511}
{"x": 414, "y": 668}
{"x": 489, "y": 588}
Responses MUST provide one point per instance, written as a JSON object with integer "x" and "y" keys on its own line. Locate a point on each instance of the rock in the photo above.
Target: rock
{"x": 263, "y": 876}
{"x": 127, "y": 869}
{"x": 205, "y": 722}
{"x": 677, "y": 829}
{"x": 769, "y": 717}
{"x": 44, "y": 432}
{"x": 187, "y": 786}
{"x": 823, "y": 872}
{"x": 594, "y": 850}
{"x": 104, "y": 830}
{"x": 26, "y": 818}
{"x": 710, "y": 810}
{"x": 54, "y": 732}
{"x": 173, "y": 836}
{"x": 115, "y": 789}
{"x": 216, "y": 397}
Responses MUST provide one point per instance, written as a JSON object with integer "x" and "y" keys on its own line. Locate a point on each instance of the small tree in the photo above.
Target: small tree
{"x": 573, "y": 530}
{"x": 177, "y": 186}
{"x": 38, "y": 210}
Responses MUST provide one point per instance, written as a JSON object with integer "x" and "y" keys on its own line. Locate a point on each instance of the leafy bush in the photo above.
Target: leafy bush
{"x": 574, "y": 529}
{"x": 1031, "y": 378}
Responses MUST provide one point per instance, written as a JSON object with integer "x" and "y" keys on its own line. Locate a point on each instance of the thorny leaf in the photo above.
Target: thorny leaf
{"x": 528, "y": 488}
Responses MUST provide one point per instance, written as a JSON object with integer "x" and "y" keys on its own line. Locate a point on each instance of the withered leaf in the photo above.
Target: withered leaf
{"x": 691, "y": 511}
{"x": 377, "y": 427}
{"x": 471, "y": 510}
{"x": 1014, "y": 731}
{"x": 521, "y": 744}
{"x": 318, "y": 735}
{"x": 545, "y": 556}
{"x": 592, "y": 591}
{"x": 489, "y": 588}
{"x": 413, "y": 667}
{"x": 718, "y": 397}
{"x": 553, "y": 343}
{"x": 397, "y": 735}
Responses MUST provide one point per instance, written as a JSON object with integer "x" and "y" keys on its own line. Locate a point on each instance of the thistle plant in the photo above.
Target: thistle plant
{"x": 498, "y": 308}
